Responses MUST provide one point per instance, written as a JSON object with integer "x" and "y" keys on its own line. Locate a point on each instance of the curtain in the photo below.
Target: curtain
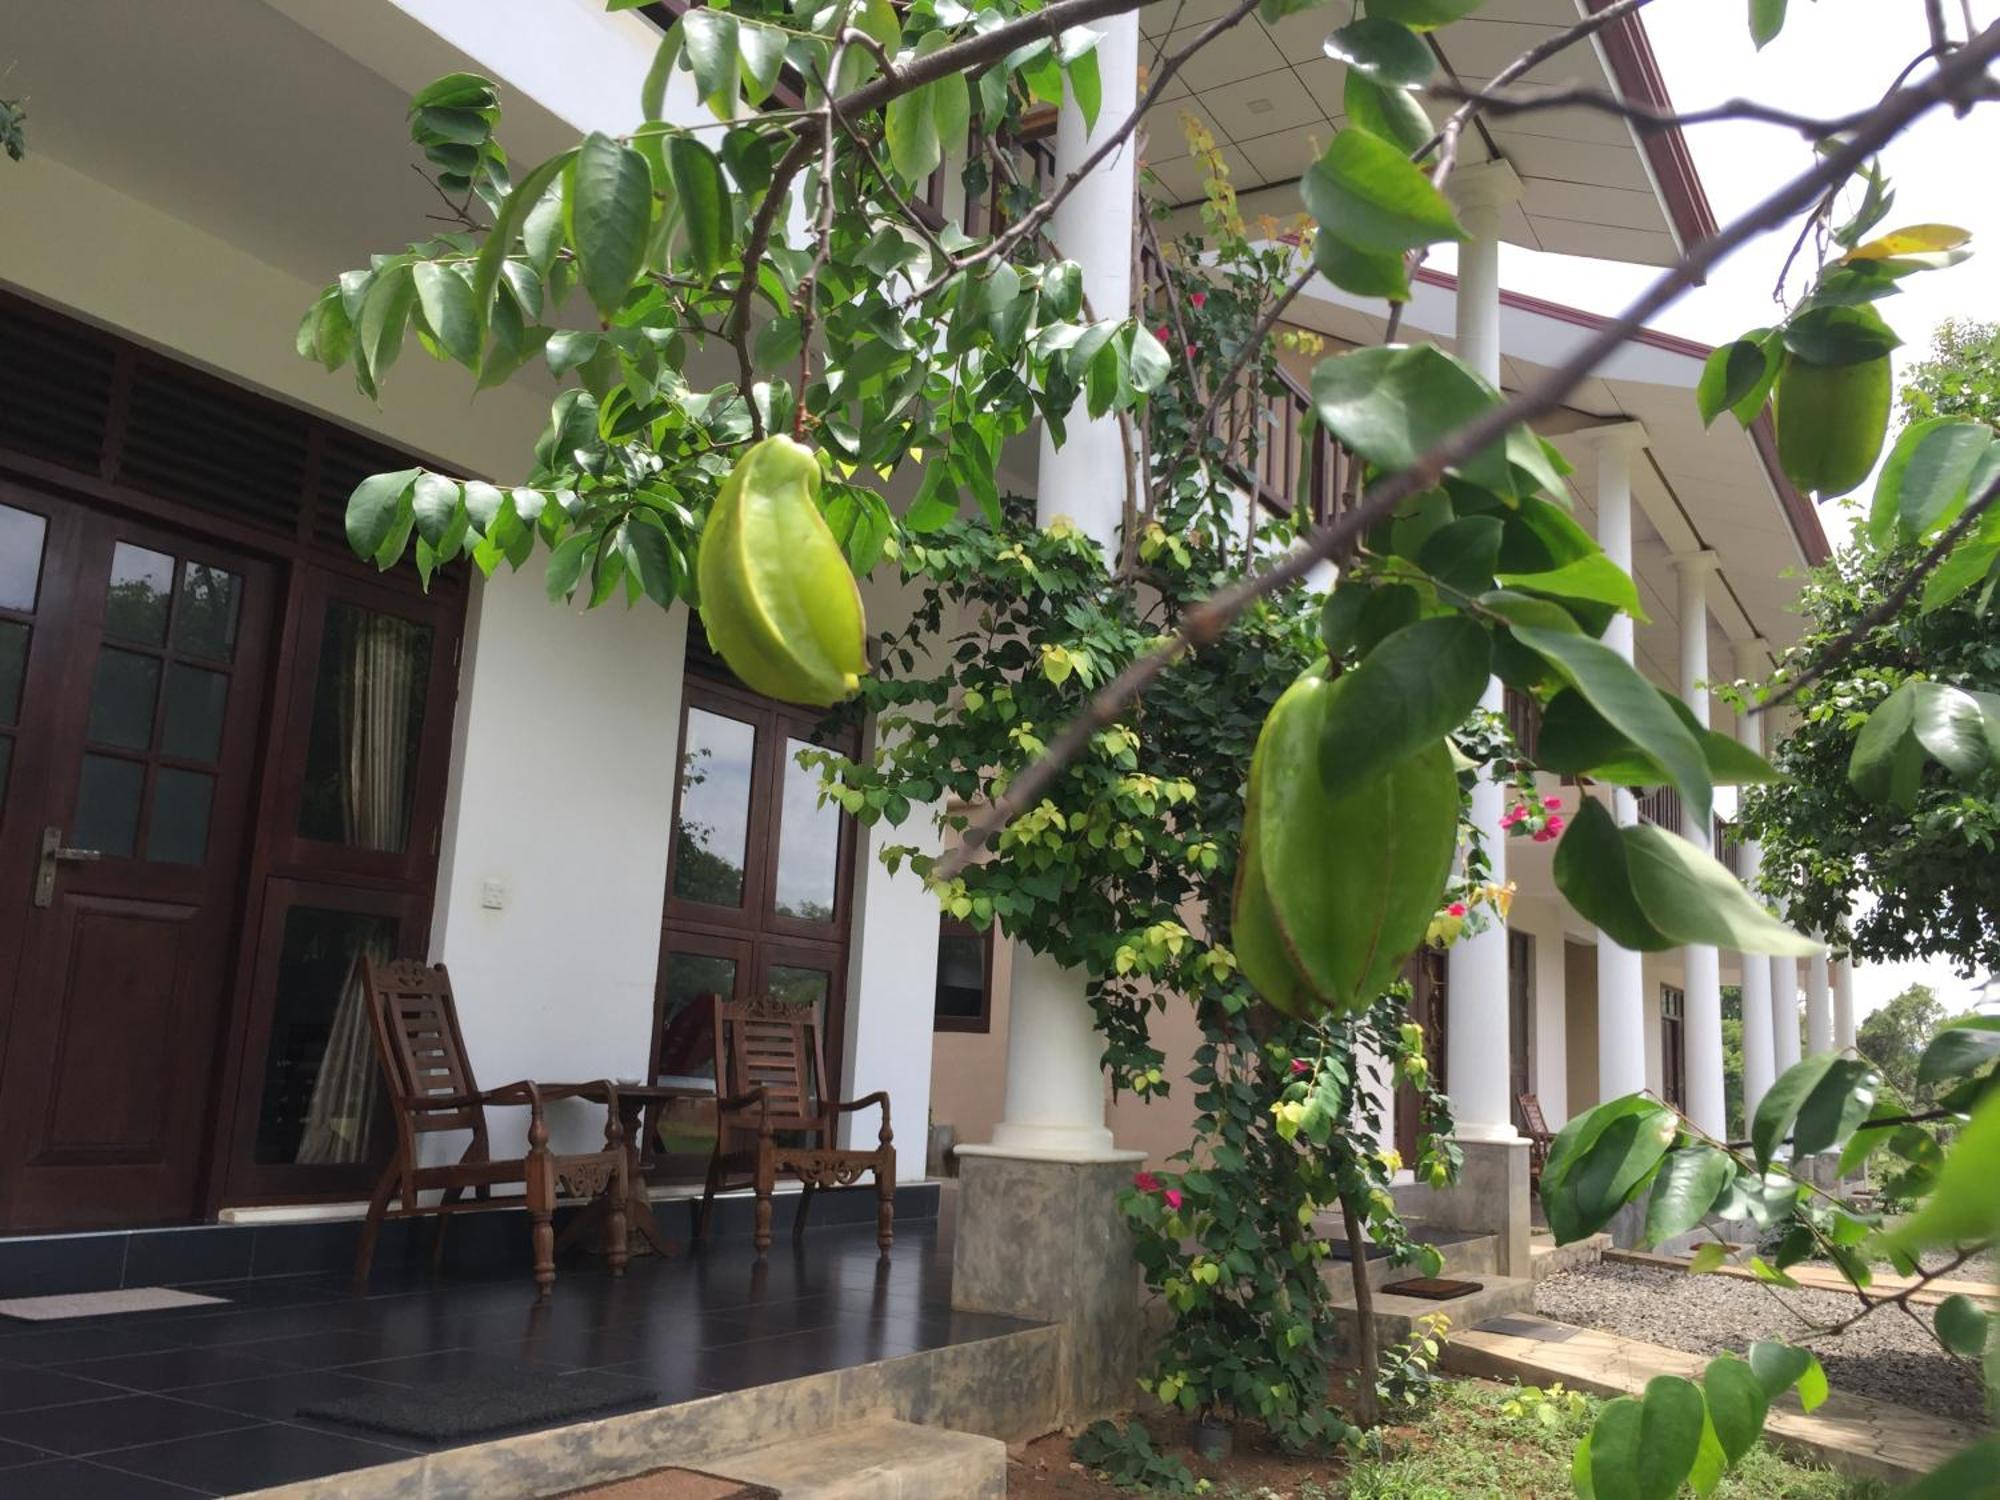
{"x": 379, "y": 655}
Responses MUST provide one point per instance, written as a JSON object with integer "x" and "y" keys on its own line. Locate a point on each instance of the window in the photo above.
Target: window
{"x": 964, "y": 977}
{"x": 1673, "y": 1046}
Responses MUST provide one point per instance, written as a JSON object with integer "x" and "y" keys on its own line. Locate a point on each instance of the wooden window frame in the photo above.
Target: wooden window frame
{"x": 982, "y": 1023}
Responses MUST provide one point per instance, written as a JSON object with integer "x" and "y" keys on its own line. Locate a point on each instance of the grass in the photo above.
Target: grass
{"x": 1465, "y": 1445}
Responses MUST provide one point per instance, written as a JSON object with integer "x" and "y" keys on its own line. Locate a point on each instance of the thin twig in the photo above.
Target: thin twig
{"x": 1207, "y": 621}
{"x": 1645, "y": 116}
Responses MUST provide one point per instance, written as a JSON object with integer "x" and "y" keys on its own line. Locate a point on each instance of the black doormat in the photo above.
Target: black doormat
{"x": 1432, "y": 1289}
{"x": 453, "y": 1410}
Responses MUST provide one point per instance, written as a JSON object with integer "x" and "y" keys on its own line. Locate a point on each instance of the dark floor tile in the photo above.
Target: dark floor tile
{"x": 279, "y": 1397}
{"x": 257, "y": 1458}
{"x": 174, "y": 1257}
{"x": 96, "y": 1426}
{"x": 254, "y": 1325}
{"x": 89, "y": 1338}
{"x": 174, "y": 1369}
{"x": 23, "y": 1388}
{"x": 733, "y": 1367}
{"x": 13, "y": 1455}
{"x": 74, "y": 1479}
{"x": 445, "y": 1364}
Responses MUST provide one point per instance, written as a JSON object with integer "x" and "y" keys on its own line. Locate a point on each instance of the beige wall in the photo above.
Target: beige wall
{"x": 1580, "y": 987}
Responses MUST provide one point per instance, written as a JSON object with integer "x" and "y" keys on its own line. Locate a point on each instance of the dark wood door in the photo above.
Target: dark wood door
{"x": 1520, "y": 1013}
{"x": 121, "y": 848}
{"x": 1673, "y": 1046}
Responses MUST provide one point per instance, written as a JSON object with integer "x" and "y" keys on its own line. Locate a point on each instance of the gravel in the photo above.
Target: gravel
{"x": 1887, "y": 1355}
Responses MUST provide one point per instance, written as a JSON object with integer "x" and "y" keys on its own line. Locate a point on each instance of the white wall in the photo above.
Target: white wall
{"x": 562, "y": 791}
{"x": 1548, "y": 1021}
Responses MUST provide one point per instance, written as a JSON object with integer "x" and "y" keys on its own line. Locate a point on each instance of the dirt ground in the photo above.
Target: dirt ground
{"x": 1043, "y": 1470}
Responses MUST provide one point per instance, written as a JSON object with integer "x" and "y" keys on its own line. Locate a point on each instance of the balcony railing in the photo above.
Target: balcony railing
{"x": 1663, "y": 808}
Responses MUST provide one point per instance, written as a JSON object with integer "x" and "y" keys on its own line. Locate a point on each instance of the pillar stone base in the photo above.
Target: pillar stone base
{"x": 1042, "y": 1237}
{"x": 1490, "y": 1196}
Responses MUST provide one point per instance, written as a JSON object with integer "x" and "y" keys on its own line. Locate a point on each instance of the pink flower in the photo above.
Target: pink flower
{"x": 1163, "y": 333}
{"x": 1199, "y": 299}
{"x": 1512, "y": 816}
{"x": 1554, "y": 824}
{"x": 1456, "y": 909}
{"x": 1146, "y": 1182}
{"x": 1544, "y": 835}
{"x": 1552, "y": 803}
{"x": 1192, "y": 351}
{"x": 1173, "y": 1197}
{"x": 1300, "y": 1065}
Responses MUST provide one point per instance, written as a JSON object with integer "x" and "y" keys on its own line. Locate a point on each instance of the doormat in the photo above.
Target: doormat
{"x": 1432, "y": 1289}
{"x": 453, "y": 1410}
{"x": 673, "y": 1484}
{"x": 1527, "y": 1328}
{"x": 99, "y": 1304}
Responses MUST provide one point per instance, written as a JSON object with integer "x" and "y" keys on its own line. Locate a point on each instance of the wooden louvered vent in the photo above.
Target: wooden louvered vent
{"x": 55, "y": 388}
{"x": 212, "y": 446}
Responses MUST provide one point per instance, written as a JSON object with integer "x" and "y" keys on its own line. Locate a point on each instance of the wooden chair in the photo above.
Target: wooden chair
{"x": 417, "y": 1041}
{"x": 769, "y": 1071}
{"x": 1536, "y": 1127}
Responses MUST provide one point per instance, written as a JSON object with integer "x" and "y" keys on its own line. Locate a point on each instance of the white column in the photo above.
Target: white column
{"x": 1054, "y": 1101}
{"x": 1478, "y": 1039}
{"x": 1759, "y": 1042}
{"x": 1784, "y": 1013}
{"x": 1819, "y": 1006}
{"x": 1701, "y": 964}
{"x": 1621, "y": 988}
{"x": 1843, "y": 1003}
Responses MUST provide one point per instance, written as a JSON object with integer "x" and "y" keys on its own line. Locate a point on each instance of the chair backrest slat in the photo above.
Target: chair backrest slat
{"x": 415, "y": 1023}
{"x": 763, "y": 1042}
{"x": 1532, "y": 1117}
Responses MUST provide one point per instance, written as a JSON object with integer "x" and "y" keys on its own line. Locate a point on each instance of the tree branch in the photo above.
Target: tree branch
{"x": 1208, "y": 620}
{"x": 1645, "y": 116}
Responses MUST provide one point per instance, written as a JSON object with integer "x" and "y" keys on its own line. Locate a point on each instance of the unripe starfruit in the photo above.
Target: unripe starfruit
{"x": 777, "y": 597}
{"x": 1336, "y": 885}
{"x": 1831, "y": 422}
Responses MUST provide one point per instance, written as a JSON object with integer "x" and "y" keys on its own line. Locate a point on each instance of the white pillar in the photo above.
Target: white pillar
{"x": 1478, "y": 1038}
{"x": 1759, "y": 1040}
{"x": 1701, "y": 964}
{"x": 1054, "y": 1101}
{"x": 1843, "y": 1002}
{"x": 1819, "y": 1007}
{"x": 1621, "y": 987}
{"x": 1784, "y": 1013}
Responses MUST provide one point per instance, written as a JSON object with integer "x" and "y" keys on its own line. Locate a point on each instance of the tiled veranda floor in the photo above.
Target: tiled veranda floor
{"x": 203, "y": 1400}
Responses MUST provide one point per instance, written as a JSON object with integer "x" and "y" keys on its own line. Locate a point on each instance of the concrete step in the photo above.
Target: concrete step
{"x": 1395, "y": 1316}
{"x": 1546, "y": 1257}
{"x": 1467, "y": 1254}
{"x": 881, "y": 1459}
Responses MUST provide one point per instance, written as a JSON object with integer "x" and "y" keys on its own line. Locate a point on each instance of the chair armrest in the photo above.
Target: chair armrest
{"x": 849, "y": 1106}
{"x": 597, "y": 1091}
{"x": 741, "y": 1101}
{"x": 519, "y": 1092}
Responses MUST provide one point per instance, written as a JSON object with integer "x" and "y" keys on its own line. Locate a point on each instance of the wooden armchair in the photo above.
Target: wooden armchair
{"x": 769, "y": 1071}
{"x": 417, "y": 1041}
{"x": 1535, "y": 1126}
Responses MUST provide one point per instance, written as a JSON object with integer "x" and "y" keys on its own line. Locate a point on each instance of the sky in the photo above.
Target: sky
{"x": 1833, "y": 56}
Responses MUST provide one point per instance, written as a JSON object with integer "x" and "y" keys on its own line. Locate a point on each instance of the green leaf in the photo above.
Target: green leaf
{"x": 446, "y": 300}
{"x": 1644, "y": 1449}
{"x": 653, "y": 92}
{"x": 1371, "y": 195}
{"x": 1085, "y": 85}
{"x": 507, "y": 225}
{"x": 760, "y": 57}
{"x": 1767, "y": 19}
{"x": 1840, "y": 335}
{"x": 910, "y": 129}
{"x": 1392, "y": 113}
{"x": 1390, "y": 404}
{"x": 434, "y": 501}
{"x": 1782, "y": 1101}
{"x": 1925, "y": 480}
{"x": 1812, "y": 1384}
{"x": 1362, "y": 272}
{"x": 1383, "y": 52}
{"x": 1692, "y": 898}
{"x": 1147, "y": 361}
{"x": 385, "y": 312}
{"x": 1631, "y": 705}
{"x": 1729, "y": 376}
{"x": 1737, "y": 1404}
{"x": 1960, "y": 729}
{"x": 1424, "y": 15}
{"x": 1592, "y": 871}
{"x": 1415, "y": 687}
{"x": 1871, "y": 767}
{"x": 1961, "y": 1325}
{"x": 1689, "y": 1182}
{"x": 1601, "y": 1159}
{"x": 710, "y": 37}
{"x": 1960, "y": 1049}
{"x": 609, "y": 206}
{"x": 1968, "y": 564}
{"x": 1595, "y": 579}
{"x": 1835, "y": 1108}
{"x": 373, "y": 508}
{"x": 1778, "y": 1366}
{"x": 704, "y": 202}
{"x": 1708, "y": 1257}
{"x": 1964, "y": 1206}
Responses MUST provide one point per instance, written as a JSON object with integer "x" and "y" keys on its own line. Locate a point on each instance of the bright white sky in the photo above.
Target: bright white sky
{"x": 1833, "y": 56}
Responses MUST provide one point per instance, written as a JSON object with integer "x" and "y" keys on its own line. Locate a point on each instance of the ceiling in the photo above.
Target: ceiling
{"x": 1272, "y": 100}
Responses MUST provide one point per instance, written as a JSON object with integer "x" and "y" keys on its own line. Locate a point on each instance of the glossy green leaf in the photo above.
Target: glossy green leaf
{"x": 1967, "y": 565}
{"x": 1925, "y": 479}
{"x": 1840, "y": 335}
{"x": 1391, "y": 404}
{"x": 1767, "y": 19}
{"x": 1383, "y": 52}
{"x": 1728, "y": 377}
{"x": 704, "y": 203}
{"x": 1692, "y": 898}
{"x": 1390, "y": 112}
{"x": 710, "y": 39}
{"x": 1592, "y": 872}
{"x": 1363, "y": 272}
{"x": 1964, "y": 1207}
{"x": 1595, "y": 578}
{"x": 1461, "y": 556}
{"x": 434, "y": 503}
{"x": 1689, "y": 1181}
{"x": 445, "y": 298}
{"x": 1778, "y": 1366}
{"x": 1781, "y": 1104}
{"x": 385, "y": 312}
{"x": 760, "y": 54}
{"x": 514, "y": 211}
{"x": 1631, "y": 705}
{"x": 1737, "y": 1404}
{"x": 911, "y": 133}
{"x": 1644, "y": 1450}
{"x": 1370, "y": 194}
{"x": 610, "y": 209}
{"x": 1812, "y": 1384}
{"x": 1961, "y": 1325}
{"x": 1960, "y": 1049}
{"x": 1708, "y": 1257}
{"x": 1599, "y": 1160}
{"x": 1835, "y": 1108}
{"x": 1411, "y": 690}
{"x": 1960, "y": 729}
{"x": 1871, "y": 767}
{"x": 373, "y": 508}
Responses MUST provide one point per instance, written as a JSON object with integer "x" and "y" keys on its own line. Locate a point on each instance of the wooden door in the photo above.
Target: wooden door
{"x": 1673, "y": 1046}
{"x": 121, "y": 850}
{"x": 1520, "y": 1018}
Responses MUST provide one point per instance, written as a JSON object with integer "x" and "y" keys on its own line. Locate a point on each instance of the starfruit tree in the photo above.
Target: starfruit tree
{"x": 756, "y": 331}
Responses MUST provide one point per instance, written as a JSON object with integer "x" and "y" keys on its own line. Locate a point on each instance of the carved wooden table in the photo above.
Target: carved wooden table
{"x": 637, "y": 1104}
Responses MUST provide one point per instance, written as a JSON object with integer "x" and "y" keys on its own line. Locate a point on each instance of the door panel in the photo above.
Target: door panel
{"x": 122, "y": 868}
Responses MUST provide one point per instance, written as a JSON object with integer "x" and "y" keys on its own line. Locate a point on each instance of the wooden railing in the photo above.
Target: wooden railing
{"x": 1663, "y": 808}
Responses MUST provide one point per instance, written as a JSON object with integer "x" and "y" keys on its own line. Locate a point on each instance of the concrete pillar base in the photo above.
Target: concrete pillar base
{"x": 1042, "y": 1237}
{"x": 1491, "y": 1196}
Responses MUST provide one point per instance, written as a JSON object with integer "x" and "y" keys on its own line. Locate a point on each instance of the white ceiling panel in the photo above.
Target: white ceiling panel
{"x": 1276, "y": 157}
{"x": 1166, "y": 133}
{"x": 1181, "y": 179}
{"x": 1601, "y": 242}
{"x": 1243, "y": 52}
{"x": 1263, "y": 105}
{"x": 1591, "y": 205}
{"x": 1586, "y": 162}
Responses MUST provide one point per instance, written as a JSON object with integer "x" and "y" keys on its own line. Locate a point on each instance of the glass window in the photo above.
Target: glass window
{"x": 205, "y": 622}
{"x": 196, "y": 698}
{"x": 322, "y": 1083}
{"x": 142, "y": 583}
{"x": 801, "y": 987}
{"x": 687, "y": 1045}
{"x": 712, "y": 833}
{"x": 122, "y": 698}
{"x": 367, "y": 729}
{"x": 107, "y": 806}
{"x": 961, "y": 978}
{"x": 177, "y": 828}
{"x": 13, "y": 667}
{"x": 21, "y": 534}
{"x": 808, "y": 844}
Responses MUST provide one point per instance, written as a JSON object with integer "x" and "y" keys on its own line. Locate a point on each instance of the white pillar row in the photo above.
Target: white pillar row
{"x": 1478, "y": 1041}
{"x": 1784, "y": 1013}
{"x": 1819, "y": 1006}
{"x": 1843, "y": 1003}
{"x": 1054, "y": 1099}
{"x": 1701, "y": 964}
{"x": 1621, "y": 987}
{"x": 1759, "y": 1038}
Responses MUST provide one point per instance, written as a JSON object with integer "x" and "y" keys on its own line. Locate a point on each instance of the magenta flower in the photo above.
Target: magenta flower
{"x": 1173, "y": 1197}
{"x": 1456, "y": 909}
{"x": 1552, "y": 803}
{"x": 1300, "y": 1065}
{"x": 1199, "y": 299}
{"x": 1146, "y": 1182}
{"x": 1163, "y": 333}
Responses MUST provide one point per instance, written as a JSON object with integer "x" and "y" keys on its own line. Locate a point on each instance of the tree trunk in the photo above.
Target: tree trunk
{"x": 1366, "y": 1413}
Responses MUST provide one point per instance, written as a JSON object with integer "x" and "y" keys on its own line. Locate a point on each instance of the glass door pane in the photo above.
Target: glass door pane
{"x": 367, "y": 728}
{"x": 712, "y": 825}
{"x": 808, "y": 882}
{"x": 687, "y": 1032}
